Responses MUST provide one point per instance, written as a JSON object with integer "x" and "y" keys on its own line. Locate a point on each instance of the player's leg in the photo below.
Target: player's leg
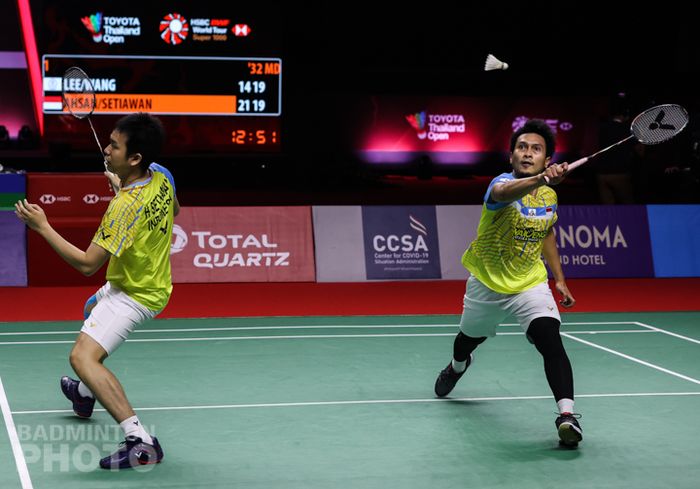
{"x": 110, "y": 322}
{"x": 86, "y": 358}
{"x": 481, "y": 314}
{"x": 76, "y": 391}
{"x": 537, "y": 313}
{"x": 544, "y": 332}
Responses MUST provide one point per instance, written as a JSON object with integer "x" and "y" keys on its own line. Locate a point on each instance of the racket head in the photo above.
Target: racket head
{"x": 660, "y": 123}
{"x": 78, "y": 93}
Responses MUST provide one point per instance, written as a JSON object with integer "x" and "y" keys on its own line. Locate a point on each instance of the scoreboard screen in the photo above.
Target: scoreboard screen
{"x": 211, "y": 72}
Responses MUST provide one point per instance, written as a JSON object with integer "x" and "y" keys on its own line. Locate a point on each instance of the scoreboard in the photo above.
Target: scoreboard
{"x": 212, "y": 72}
{"x": 211, "y": 85}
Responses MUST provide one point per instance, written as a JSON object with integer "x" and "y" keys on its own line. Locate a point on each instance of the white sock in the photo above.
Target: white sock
{"x": 459, "y": 367}
{"x": 132, "y": 427}
{"x": 565, "y": 405}
{"x": 84, "y": 391}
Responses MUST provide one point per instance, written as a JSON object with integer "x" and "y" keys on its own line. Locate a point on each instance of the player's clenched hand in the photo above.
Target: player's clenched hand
{"x": 114, "y": 182}
{"x": 554, "y": 174}
{"x": 31, "y": 214}
{"x": 567, "y": 300}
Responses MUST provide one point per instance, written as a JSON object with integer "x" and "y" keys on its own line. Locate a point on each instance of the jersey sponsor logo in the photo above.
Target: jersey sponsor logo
{"x": 529, "y": 234}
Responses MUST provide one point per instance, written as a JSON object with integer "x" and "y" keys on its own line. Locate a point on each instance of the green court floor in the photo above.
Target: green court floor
{"x": 348, "y": 402}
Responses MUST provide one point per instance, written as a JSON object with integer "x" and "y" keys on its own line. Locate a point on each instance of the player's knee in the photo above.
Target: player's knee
{"x": 464, "y": 344}
{"x": 76, "y": 359}
{"x": 544, "y": 334}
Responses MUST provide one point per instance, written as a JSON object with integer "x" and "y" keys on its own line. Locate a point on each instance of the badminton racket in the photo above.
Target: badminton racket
{"x": 79, "y": 98}
{"x": 655, "y": 125}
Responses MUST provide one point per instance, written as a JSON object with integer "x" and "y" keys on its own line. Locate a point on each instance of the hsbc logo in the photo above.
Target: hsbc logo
{"x": 241, "y": 30}
{"x": 49, "y": 199}
{"x": 91, "y": 199}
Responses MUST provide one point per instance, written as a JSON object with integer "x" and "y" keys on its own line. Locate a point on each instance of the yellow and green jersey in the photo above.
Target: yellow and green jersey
{"x": 137, "y": 230}
{"x": 506, "y": 254}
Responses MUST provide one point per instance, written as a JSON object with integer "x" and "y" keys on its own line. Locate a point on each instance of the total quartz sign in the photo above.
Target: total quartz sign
{"x": 243, "y": 244}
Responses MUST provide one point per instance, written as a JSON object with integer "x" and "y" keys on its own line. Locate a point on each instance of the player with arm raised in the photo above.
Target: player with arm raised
{"x": 135, "y": 236}
{"x": 508, "y": 276}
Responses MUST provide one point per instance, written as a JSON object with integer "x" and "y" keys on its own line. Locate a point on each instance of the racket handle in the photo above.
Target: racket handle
{"x": 577, "y": 163}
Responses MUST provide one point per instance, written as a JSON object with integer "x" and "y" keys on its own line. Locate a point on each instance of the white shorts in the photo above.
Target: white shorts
{"x": 484, "y": 309}
{"x": 114, "y": 316}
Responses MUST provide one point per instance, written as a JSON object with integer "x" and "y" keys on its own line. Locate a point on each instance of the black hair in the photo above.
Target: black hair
{"x": 144, "y": 134}
{"x": 536, "y": 126}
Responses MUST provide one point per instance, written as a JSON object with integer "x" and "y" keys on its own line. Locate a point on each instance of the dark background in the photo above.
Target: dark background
{"x": 338, "y": 54}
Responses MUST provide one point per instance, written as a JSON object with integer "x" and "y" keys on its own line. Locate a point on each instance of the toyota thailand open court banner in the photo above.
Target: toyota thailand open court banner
{"x": 243, "y": 244}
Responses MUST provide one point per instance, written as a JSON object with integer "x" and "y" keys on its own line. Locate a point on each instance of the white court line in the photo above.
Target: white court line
{"x": 334, "y": 326}
{"x": 374, "y": 401}
{"x": 20, "y": 462}
{"x": 248, "y": 328}
{"x": 297, "y": 337}
{"x": 634, "y": 359}
{"x": 675, "y": 335}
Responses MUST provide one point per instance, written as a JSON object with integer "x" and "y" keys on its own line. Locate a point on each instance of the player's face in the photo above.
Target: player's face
{"x": 529, "y": 155}
{"x": 116, "y": 155}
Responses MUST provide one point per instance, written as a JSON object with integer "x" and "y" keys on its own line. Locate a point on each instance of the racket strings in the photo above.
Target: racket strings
{"x": 660, "y": 124}
{"x": 78, "y": 93}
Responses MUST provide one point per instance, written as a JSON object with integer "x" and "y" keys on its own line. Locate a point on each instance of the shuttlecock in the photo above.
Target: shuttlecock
{"x": 493, "y": 63}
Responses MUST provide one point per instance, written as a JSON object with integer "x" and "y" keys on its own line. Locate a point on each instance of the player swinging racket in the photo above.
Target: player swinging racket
{"x": 508, "y": 277}
{"x": 135, "y": 235}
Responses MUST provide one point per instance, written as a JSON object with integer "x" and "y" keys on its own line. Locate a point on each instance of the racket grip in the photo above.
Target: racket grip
{"x": 577, "y": 163}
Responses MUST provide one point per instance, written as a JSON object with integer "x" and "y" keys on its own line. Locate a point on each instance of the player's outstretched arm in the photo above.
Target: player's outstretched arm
{"x": 86, "y": 262}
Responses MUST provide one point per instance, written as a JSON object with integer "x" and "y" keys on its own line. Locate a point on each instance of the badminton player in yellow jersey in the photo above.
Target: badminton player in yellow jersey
{"x": 135, "y": 236}
{"x": 508, "y": 276}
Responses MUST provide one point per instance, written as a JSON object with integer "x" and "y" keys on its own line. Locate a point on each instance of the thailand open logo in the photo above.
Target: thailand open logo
{"x": 417, "y": 122}
{"x": 93, "y": 23}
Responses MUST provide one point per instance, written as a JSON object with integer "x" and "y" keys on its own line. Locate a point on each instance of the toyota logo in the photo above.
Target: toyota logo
{"x": 47, "y": 199}
{"x": 91, "y": 199}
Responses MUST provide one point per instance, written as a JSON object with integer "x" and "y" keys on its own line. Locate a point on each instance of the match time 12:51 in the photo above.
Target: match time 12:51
{"x": 261, "y": 136}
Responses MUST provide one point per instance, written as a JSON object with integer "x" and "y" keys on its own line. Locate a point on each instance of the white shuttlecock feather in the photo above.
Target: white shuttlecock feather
{"x": 493, "y": 63}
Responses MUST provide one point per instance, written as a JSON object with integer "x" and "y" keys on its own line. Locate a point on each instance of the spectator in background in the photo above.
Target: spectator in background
{"x": 614, "y": 168}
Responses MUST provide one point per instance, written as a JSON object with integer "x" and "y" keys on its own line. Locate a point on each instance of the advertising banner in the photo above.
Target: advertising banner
{"x": 457, "y": 226}
{"x": 13, "y": 187}
{"x": 675, "y": 239}
{"x": 70, "y": 194}
{"x": 45, "y": 268}
{"x": 243, "y": 244}
{"x": 401, "y": 242}
{"x": 13, "y": 258}
{"x": 604, "y": 241}
{"x": 338, "y": 244}
{"x": 467, "y": 130}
